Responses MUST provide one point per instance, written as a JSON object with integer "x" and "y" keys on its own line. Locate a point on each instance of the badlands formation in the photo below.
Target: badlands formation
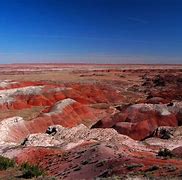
{"x": 93, "y": 121}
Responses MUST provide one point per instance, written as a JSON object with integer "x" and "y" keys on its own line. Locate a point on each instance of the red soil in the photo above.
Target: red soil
{"x": 103, "y": 98}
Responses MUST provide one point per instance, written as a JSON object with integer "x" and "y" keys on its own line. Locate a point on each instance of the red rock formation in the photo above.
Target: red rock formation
{"x": 156, "y": 100}
{"x": 34, "y": 155}
{"x": 67, "y": 113}
{"x": 140, "y": 120}
{"x": 177, "y": 152}
{"x": 85, "y": 153}
{"x": 29, "y": 94}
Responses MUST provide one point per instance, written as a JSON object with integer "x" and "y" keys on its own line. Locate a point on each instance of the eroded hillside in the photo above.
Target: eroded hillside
{"x": 93, "y": 121}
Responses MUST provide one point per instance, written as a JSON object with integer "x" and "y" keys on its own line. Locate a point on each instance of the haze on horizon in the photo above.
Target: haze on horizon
{"x": 91, "y": 31}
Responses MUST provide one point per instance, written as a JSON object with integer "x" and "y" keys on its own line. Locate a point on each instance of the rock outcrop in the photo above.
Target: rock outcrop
{"x": 140, "y": 120}
{"x": 84, "y": 153}
{"x": 12, "y": 130}
{"x": 27, "y": 94}
{"x": 96, "y": 123}
{"x": 67, "y": 112}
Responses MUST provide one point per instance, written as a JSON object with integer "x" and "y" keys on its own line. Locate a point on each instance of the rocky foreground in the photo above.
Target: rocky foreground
{"x": 108, "y": 123}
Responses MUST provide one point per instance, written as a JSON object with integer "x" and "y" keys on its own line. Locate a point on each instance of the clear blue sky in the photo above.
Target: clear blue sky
{"x": 91, "y": 31}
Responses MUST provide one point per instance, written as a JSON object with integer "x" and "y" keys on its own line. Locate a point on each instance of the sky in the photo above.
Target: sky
{"x": 91, "y": 31}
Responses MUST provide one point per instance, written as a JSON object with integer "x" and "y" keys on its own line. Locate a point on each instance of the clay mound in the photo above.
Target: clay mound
{"x": 95, "y": 93}
{"x": 26, "y": 97}
{"x": 86, "y": 153}
{"x": 67, "y": 113}
{"x": 84, "y": 162}
{"x": 91, "y": 159}
{"x": 140, "y": 120}
{"x": 69, "y": 138}
{"x": 12, "y": 130}
{"x": 10, "y": 84}
{"x": 33, "y": 155}
{"x": 11, "y": 97}
{"x": 28, "y": 94}
{"x": 177, "y": 152}
{"x": 6, "y": 84}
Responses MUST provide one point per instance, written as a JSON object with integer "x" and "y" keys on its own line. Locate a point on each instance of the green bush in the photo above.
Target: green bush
{"x": 30, "y": 171}
{"x": 6, "y": 163}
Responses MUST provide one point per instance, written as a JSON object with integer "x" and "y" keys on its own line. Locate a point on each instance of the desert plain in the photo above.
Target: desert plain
{"x": 92, "y": 121}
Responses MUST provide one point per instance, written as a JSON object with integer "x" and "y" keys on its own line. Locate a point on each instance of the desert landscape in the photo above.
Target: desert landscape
{"x": 91, "y": 121}
{"x": 90, "y": 89}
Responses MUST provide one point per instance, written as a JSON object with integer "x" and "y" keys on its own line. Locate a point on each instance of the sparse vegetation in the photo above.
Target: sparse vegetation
{"x": 85, "y": 162}
{"x": 165, "y": 153}
{"x": 118, "y": 143}
{"x": 171, "y": 168}
{"x": 122, "y": 76}
{"x": 77, "y": 168}
{"x": 165, "y": 134}
{"x": 159, "y": 81}
{"x": 114, "y": 177}
{"x": 153, "y": 168}
{"x": 64, "y": 156}
{"x": 133, "y": 166}
{"x": 30, "y": 171}
{"x": 100, "y": 164}
{"x": 6, "y": 163}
